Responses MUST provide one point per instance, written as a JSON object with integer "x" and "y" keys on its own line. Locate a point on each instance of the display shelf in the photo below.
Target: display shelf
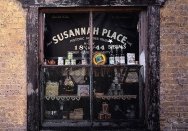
{"x": 134, "y": 66}
{"x": 110, "y": 124}
{"x": 96, "y": 123}
{"x": 93, "y": 82}
{"x": 64, "y": 66}
{"x": 116, "y": 66}
{"x": 66, "y": 123}
{"x": 65, "y": 97}
{"x": 118, "y": 97}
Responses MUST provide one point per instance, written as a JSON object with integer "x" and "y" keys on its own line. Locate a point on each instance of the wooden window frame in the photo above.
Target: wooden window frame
{"x": 149, "y": 33}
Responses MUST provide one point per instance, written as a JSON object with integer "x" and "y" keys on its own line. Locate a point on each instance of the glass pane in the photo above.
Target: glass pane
{"x": 66, "y": 93}
{"x": 116, "y": 34}
{"x": 116, "y": 70}
{"x": 65, "y": 74}
{"x": 66, "y": 36}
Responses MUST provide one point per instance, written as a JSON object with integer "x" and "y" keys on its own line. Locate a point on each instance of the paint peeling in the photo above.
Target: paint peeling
{"x": 30, "y": 90}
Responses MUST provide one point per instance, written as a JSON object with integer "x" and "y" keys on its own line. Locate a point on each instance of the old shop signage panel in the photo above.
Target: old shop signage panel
{"x": 70, "y": 32}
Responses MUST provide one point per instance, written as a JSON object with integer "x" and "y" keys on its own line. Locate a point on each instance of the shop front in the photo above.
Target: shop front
{"x": 93, "y": 65}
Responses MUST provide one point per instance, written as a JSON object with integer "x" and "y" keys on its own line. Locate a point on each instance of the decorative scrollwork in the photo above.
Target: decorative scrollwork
{"x": 73, "y": 98}
{"x": 118, "y": 97}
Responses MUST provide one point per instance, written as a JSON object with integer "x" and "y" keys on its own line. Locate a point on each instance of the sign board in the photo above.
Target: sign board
{"x": 70, "y": 32}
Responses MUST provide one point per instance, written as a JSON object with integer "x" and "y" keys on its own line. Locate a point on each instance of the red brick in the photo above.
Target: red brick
{"x": 174, "y": 41}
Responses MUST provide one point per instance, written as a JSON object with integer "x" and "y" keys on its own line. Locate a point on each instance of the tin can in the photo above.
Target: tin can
{"x": 130, "y": 58}
{"x": 104, "y": 107}
{"x": 60, "y": 61}
{"x": 101, "y": 116}
{"x": 67, "y": 62}
{"x": 73, "y": 62}
{"x": 107, "y": 116}
{"x": 84, "y": 62}
{"x": 70, "y": 55}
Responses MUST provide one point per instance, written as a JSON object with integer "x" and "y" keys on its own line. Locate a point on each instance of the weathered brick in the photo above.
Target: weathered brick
{"x": 179, "y": 109}
{"x": 12, "y": 66}
{"x": 174, "y": 59}
{"x": 185, "y": 109}
{"x": 174, "y": 64}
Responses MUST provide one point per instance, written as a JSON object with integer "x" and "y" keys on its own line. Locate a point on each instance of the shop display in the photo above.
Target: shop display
{"x": 83, "y": 90}
{"x": 111, "y": 58}
{"x": 51, "y": 114}
{"x": 51, "y": 61}
{"x": 130, "y": 58}
{"x": 60, "y": 61}
{"x": 84, "y": 57}
{"x": 52, "y": 88}
{"x": 73, "y": 62}
{"x": 69, "y": 55}
{"x": 68, "y": 84}
{"x": 99, "y": 58}
{"x": 67, "y": 62}
{"x": 88, "y": 84}
{"x": 115, "y": 88}
{"x": 117, "y": 58}
{"x": 122, "y": 57}
{"x": 77, "y": 114}
{"x": 104, "y": 113}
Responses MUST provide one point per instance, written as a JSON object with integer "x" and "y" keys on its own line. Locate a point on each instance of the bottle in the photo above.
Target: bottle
{"x": 86, "y": 79}
{"x": 122, "y": 57}
{"x": 84, "y": 57}
{"x": 111, "y": 58}
{"x": 45, "y": 63}
{"x": 117, "y": 60}
{"x": 69, "y": 84}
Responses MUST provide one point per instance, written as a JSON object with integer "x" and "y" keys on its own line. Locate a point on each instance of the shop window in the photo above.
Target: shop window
{"x": 91, "y": 69}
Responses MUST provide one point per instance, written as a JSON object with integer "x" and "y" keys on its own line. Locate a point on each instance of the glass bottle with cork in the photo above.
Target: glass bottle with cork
{"x": 111, "y": 57}
{"x": 117, "y": 58}
{"x": 122, "y": 57}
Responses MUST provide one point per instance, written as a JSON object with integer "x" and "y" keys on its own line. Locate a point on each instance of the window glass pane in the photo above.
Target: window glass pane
{"x": 65, "y": 87}
{"x": 66, "y": 93}
{"x": 115, "y": 72}
{"x": 116, "y": 83}
{"x": 116, "y": 31}
{"x": 66, "y": 32}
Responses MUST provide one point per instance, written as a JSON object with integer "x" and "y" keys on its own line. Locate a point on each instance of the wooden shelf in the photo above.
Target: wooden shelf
{"x": 118, "y": 66}
{"x": 118, "y": 97}
{"x": 64, "y": 66}
{"x": 65, "y": 97}
{"x": 104, "y": 97}
{"x": 66, "y": 123}
{"x": 96, "y": 123}
{"x": 95, "y": 66}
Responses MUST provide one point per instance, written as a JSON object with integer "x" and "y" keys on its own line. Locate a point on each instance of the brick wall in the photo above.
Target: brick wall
{"x": 12, "y": 66}
{"x": 174, "y": 66}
